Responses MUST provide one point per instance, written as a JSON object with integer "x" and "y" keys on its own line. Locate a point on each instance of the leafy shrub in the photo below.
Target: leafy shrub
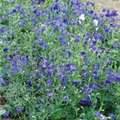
{"x": 59, "y": 61}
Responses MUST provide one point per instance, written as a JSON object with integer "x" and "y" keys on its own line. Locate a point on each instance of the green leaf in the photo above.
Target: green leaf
{"x": 2, "y": 112}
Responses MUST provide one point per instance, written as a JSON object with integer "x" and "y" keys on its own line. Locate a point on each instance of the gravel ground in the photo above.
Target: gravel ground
{"x": 112, "y": 4}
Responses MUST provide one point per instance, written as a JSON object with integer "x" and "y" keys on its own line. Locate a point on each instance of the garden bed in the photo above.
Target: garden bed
{"x": 58, "y": 58}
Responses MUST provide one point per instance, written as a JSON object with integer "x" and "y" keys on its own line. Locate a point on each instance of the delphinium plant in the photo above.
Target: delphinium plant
{"x": 59, "y": 61}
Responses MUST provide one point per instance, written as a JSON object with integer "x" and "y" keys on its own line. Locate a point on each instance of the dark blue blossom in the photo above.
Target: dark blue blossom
{"x": 104, "y": 10}
{"x": 107, "y": 30}
{"x": 38, "y": 88}
{"x": 86, "y": 101}
{"x": 3, "y": 19}
{"x": 75, "y": 82}
{"x": 95, "y": 73}
{"x": 47, "y": 90}
{"x": 117, "y": 79}
{"x": 114, "y": 78}
{"x": 94, "y": 86}
{"x": 83, "y": 53}
{"x": 59, "y": 86}
{"x": 30, "y": 82}
{"x": 37, "y": 107}
{"x": 112, "y": 116}
{"x": 101, "y": 37}
{"x": 63, "y": 42}
{"x": 69, "y": 53}
{"x": 21, "y": 10}
{"x": 1, "y": 76}
{"x": 37, "y": 72}
{"x": 55, "y": 6}
{"x": 77, "y": 38}
{"x": 1, "y": 30}
{"x": 36, "y": 13}
{"x": 19, "y": 109}
{"x": 68, "y": 66}
{"x": 97, "y": 114}
{"x": 22, "y": 23}
{"x": 4, "y": 82}
{"x": 95, "y": 104}
{"x": 55, "y": 28}
{"x": 18, "y": 7}
{"x": 33, "y": 20}
{"x": 84, "y": 73}
{"x": 6, "y": 114}
{"x": 63, "y": 79}
{"x": 49, "y": 82}
{"x": 65, "y": 98}
{"x": 51, "y": 94}
{"x": 90, "y": 3}
{"x": 44, "y": 66}
{"x": 13, "y": 11}
{"x": 91, "y": 11}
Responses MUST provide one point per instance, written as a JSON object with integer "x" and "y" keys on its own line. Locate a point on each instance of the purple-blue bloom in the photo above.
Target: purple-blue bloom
{"x": 19, "y": 109}
{"x": 6, "y": 114}
{"x": 112, "y": 116}
{"x": 51, "y": 94}
{"x": 1, "y": 30}
{"x": 65, "y": 98}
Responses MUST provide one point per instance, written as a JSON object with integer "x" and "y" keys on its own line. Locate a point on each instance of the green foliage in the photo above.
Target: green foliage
{"x": 56, "y": 66}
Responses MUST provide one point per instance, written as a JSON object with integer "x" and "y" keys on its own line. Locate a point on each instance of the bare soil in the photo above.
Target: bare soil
{"x": 111, "y": 4}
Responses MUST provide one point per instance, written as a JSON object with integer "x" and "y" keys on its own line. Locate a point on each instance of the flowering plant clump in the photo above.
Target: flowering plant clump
{"x": 59, "y": 60}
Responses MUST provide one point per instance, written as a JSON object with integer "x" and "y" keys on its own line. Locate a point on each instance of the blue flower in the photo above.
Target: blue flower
{"x": 1, "y": 30}
{"x": 37, "y": 72}
{"x": 97, "y": 114}
{"x": 65, "y": 98}
{"x": 3, "y": 82}
{"x": 113, "y": 78}
{"x": 104, "y": 10}
{"x": 75, "y": 82}
{"x": 19, "y": 109}
{"x": 55, "y": 6}
{"x": 63, "y": 79}
{"x": 77, "y": 38}
{"x": 94, "y": 86}
{"x": 83, "y": 53}
{"x": 13, "y": 11}
{"x": 65, "y": 20}
{"x": 95, "y": 73}
{"x": 1, "y": 76}
{"x": 47, "y": 90}
{"x": 49, "y": 82}
{"x": 112, "y": 116}
{"x": 117, "y": 79}
{"x": 37, "y": 107}
{"x": 40, "y": 1}
{"x": 51, "y": 94}
{"x": 38, "y": 88}
{"x": 59, "y": 86}
{"x": 30, "y": 82}
{"x": 6, "y": 114}
{"x": 86, "y": 101}
{"x": 69, "y": 53}
{"x": 21, "y": 10}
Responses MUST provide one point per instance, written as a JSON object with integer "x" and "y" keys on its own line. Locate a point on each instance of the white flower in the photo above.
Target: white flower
{"x": 95, "y": 22}
{"x": 97, "y": 28}
{"x": 82, "y": 17}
